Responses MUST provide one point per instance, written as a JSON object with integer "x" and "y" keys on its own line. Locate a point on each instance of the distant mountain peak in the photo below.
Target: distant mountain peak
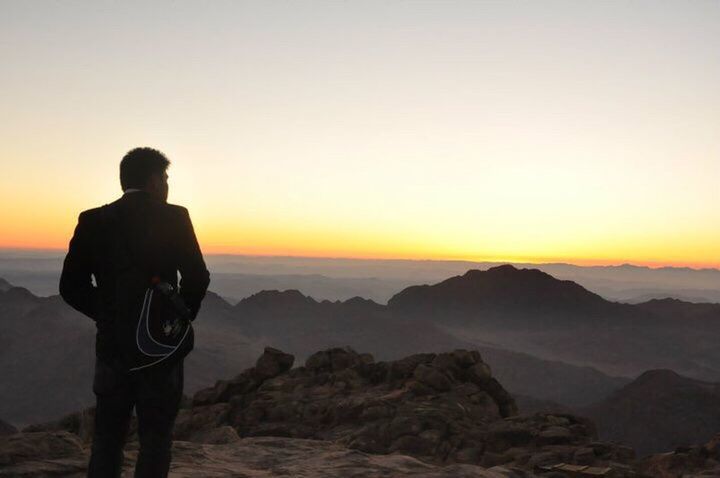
{"x": 503, "y": 286}
{"x": 361, "y": 301}
{"x": 505, "y": 268}
{"x": 660, "y": 382}
{"x": 667, "y": 300}
{"x": 274, "y": 298}
{"x": 662, "y": 374}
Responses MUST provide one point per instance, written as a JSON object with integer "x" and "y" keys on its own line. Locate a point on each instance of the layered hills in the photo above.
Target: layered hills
{"x": 551, "y": 342}
{"x": 530, "y": 311}
{"x": 48, "y": 346}
{"x": 235, "y": 276}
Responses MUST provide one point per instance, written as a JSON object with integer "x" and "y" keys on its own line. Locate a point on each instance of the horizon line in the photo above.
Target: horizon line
{"x": 653, "y": 265}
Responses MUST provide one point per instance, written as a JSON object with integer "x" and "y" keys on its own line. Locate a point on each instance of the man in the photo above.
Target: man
{"x": 160, "y": 241}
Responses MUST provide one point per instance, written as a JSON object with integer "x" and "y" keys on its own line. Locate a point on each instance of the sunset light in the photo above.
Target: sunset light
{"x": 376, "y": 129}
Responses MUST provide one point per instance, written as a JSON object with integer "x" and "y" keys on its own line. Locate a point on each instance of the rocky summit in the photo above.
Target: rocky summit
{"x": 343, "y": 414}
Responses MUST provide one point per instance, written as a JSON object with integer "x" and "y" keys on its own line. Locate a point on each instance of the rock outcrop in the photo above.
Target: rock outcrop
{"x": 427, "y": 405}
{"x": 445, "y": 410}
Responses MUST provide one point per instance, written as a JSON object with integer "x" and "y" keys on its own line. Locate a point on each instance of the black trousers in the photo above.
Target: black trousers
{"x": 156, "y": 394}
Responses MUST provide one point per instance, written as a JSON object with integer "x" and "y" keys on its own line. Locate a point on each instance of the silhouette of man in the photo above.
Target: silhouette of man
{"x": 162, "y": 241}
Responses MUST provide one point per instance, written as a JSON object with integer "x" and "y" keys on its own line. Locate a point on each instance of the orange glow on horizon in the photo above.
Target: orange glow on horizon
{"x": 352, "y": 132}
{"x": 294, "y": 253}
{"x": 411, "y": 238}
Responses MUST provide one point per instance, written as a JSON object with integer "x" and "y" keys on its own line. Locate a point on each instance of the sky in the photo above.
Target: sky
{"x": 527, "y": 131}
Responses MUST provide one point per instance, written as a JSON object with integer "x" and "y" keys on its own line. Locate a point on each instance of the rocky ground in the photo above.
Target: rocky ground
{"x": 342, "y": 414}
{"x": 55, "y": 454}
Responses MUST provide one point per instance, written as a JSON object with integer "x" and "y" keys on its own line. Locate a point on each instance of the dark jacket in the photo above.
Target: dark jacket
{"x": 161, "y": 242}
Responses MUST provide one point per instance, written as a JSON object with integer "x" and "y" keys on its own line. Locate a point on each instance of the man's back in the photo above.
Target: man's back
{"x": 160, "y": 241}
{"x": 131, "y": 244}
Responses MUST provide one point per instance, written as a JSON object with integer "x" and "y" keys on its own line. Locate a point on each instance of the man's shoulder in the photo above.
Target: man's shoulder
{"x": 91, "y": 215}
{"x": 165, "y": 212}
{"x": 177, "y": 209}
{"x": 162, "y": 211}
{"x": 175, "y": 213}
{"x": 95, "y": 213}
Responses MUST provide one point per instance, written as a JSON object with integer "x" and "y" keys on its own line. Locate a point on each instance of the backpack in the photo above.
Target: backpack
{"x": 151, "y": 326}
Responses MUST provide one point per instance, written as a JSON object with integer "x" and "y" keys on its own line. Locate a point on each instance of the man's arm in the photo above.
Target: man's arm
{"x": 76, "y": 279}
{"x": 195, "y": 277}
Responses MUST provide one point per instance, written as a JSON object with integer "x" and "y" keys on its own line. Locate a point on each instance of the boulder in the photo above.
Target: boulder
{"x": 335, "y": 359}
{"x": 432, "y": 377}
{"x": 272, "y": 363}
{"x": 404, "y": 368}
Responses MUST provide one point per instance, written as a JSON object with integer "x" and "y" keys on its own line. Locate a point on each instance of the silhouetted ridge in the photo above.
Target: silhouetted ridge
{"x": 503, "y": 286}
{"x": 18, "y": 293}
{"x": 662, "y": 374}
{"x": 361, "y": 302}
{"x": 294, "y": 299}
{"x": 665, "y": 301}
{"x": 217, "y": 303}
{"x": 659, "y": 411}
{"x": 655, "y": 383}
{"x": 676, "y": 309}
{"x": 276, "y": 298}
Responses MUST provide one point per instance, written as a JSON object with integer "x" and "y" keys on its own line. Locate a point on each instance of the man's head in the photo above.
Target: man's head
{"x": 146, "y": 169}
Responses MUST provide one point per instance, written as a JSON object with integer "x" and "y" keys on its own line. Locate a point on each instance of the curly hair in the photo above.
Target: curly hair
{"x": 139, "y": 164}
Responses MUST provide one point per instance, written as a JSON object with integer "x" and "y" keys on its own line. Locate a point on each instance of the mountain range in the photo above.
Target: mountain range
{"x": 530, "y": 311}
{"x": 549, "y": 340}
{"x": 236, "y": 276}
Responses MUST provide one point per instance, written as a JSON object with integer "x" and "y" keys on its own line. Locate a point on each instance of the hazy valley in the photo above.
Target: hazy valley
{"x": 551, "y": 343}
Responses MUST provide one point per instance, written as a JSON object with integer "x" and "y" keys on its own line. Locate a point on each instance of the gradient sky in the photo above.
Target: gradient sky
{"x": 577, "y": 131}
